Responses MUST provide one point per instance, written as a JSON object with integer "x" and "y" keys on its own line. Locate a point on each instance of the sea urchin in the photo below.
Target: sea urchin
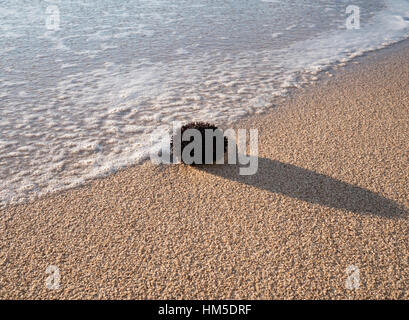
{"x": 204, "y": 144}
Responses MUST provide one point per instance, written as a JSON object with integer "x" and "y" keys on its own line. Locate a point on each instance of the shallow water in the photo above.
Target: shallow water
{"x": 95, "y": 94}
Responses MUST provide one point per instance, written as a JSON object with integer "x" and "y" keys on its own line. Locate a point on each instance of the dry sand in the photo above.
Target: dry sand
{"x": 331, "y": 191}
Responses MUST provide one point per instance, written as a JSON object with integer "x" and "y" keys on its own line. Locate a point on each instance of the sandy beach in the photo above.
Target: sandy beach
{"x": 331, "y": 191}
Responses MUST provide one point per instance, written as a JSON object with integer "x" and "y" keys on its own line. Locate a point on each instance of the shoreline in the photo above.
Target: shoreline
{"x": 331, "y": 191}
{"x": 320, "y": 78}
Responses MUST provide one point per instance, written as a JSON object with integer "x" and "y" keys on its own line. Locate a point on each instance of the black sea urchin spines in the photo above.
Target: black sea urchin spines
{"x": 201, "y": 127}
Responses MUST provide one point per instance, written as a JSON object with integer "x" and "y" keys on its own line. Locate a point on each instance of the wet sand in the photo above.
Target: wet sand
{"x": 331, "y": 191}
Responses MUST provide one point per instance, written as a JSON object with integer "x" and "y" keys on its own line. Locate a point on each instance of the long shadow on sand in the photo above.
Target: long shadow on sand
{"x": 278, "y": 177}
